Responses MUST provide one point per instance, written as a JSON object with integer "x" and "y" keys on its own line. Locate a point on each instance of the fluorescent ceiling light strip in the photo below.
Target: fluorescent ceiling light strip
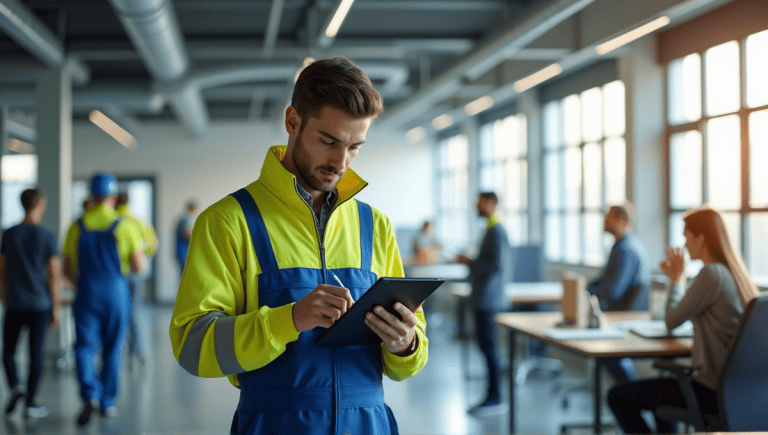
{"x": 20, "y": 147}
{"x": 442, "y": 121}
{"x": 630, "y": 36}
{"x": 477, "y": 106}
{"x": 338, "y": 18}
{"x": 536, "y": 78}
{"x": 112, "y": 129}
{"x": 416, "y": 134}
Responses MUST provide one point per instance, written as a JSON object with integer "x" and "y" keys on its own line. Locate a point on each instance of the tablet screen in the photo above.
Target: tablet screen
{"x": 351, "y": 329}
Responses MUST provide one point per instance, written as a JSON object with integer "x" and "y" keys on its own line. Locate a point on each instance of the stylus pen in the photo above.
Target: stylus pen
{"x": 341, "y": 284}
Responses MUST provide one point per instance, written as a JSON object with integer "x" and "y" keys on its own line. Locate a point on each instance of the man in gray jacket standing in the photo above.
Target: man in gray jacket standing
{"x": 488, "y": 274}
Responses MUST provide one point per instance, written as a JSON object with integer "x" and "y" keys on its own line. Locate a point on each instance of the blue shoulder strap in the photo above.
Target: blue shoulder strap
{"x": 258, "y": 231}
{"x": 81, "y": 225}
{"x": 366, "y": 234}
{"x": 114, "y": 225}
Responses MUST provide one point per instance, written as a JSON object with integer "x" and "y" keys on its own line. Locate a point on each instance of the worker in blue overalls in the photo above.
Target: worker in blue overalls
{"x": 279, "y": 261}
{"x": 100, "y": 249}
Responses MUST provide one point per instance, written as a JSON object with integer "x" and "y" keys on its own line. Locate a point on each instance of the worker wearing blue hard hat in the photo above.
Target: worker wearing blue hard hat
{"x": 100, "y": 249}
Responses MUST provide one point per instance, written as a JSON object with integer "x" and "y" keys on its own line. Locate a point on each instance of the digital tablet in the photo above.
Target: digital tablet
{"x": 351, "y": 329}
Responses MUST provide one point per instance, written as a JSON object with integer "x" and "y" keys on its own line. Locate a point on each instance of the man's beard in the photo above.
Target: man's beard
{"x": 303, "y": 165}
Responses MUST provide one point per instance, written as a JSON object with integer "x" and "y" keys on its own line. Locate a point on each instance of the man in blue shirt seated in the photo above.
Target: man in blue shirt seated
{"x": 623, "y": 284}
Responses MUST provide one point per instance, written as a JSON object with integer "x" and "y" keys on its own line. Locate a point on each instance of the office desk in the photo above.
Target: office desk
{"x": 520, "y": 292}
{"x": 448, "y": 271}
{"x": 633, "y": 346}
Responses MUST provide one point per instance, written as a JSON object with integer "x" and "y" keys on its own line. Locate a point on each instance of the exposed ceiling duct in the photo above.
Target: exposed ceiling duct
{"x": 154, "y": 30}
{"x": 487, "y": 56}
{"x": 126, "y": 98}
{"x": 394, "y": 76}
{"x": 27, "y": 30}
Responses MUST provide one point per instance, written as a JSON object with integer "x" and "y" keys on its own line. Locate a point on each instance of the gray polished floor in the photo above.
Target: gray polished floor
{"x": 161, "y": 398}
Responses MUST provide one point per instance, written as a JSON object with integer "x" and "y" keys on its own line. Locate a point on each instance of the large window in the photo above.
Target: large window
{"x": 19, "y": 174}
{"x": 453, "y": 219}
{"x": 718, "y": 143}
{"x": 584, "y": 171}
{"x": 504, "y": 170}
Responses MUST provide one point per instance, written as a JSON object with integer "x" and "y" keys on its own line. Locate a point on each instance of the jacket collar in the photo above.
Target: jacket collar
{"x": 279, "y": 181}
{"x": 493, "y": 220}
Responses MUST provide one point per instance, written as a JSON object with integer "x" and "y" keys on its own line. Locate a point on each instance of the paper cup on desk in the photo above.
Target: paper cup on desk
{"x": 575, "y": 302}
{"x": 657, "y": 299}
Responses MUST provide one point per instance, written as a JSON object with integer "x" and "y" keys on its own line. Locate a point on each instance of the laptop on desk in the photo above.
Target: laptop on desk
{"x": 657, "y": 329}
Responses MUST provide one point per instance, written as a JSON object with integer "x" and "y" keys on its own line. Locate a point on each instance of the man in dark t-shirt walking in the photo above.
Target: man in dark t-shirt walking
{"x": 29, "y": 284}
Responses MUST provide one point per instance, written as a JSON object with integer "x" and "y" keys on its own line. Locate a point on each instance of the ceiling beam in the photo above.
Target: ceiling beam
{"x": 492, "y": 52}
{"x": 426, "y": 5}
{"x": 273, "y": 28}
{"x": 246, "y": 49}
{"x": 24, "y": 27}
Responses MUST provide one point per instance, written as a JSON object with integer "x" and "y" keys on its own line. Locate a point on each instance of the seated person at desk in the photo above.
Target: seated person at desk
{"x": 488, "y": 274}
{"x": 425, "y": 245}
{"x": 714, "y": 302}
{"x": 624, "y": 277}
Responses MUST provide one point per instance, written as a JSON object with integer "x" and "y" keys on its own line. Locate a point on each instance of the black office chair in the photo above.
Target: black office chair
{"x": 742, "y": 388}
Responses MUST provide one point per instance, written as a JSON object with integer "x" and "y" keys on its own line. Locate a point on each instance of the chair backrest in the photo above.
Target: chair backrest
{"x": 636, "y": 299}
{"x": 743, "y": 382}
{"x": 528, "y": 263}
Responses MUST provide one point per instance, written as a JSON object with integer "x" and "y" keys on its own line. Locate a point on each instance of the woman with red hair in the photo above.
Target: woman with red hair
{"x": 714, "y": 302}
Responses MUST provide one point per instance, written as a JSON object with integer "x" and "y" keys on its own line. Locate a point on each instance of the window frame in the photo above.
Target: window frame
{"x": 523, "y": 183}
{"x": 582, "y": 211}
{"x": 446, "y": 210}
{"x": 745, "y": 209}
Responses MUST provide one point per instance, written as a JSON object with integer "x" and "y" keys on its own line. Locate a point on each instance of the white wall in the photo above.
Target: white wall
{"x": 229, "y": 157}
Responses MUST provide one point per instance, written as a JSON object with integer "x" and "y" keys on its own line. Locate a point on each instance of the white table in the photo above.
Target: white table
{"x": 448, "y": 271}
{"x": 520, "y": 292}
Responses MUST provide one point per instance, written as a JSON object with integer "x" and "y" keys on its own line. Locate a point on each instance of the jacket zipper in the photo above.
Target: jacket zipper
{"x": 321, "y": 244}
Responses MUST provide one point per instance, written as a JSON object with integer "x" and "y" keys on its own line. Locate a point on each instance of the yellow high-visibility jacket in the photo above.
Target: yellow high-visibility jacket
{"x": 220, "y": 279}
{"x": 146, "y": 229}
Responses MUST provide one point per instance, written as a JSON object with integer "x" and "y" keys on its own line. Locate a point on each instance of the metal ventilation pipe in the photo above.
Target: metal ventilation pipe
{"x": 154, "y": 30}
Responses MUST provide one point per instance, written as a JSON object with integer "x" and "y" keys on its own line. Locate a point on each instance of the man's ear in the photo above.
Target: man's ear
{"x": 292, "y": 120}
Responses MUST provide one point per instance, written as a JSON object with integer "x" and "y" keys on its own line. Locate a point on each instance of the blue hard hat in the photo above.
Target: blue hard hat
{"x": 104, "y": 184}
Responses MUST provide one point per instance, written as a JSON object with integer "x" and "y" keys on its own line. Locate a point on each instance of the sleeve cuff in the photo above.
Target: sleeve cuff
{"x": 408, "y": 360}
{"x": 281, "y": 324}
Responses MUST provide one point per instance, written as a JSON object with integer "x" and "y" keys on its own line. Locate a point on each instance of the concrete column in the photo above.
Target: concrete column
{"x": 645, "y": 98}
{"x": 54, "y": 147}
{"x": 3, "y": 149}
{"x": 528, "y": 104}
{"x": 471, "y": 128}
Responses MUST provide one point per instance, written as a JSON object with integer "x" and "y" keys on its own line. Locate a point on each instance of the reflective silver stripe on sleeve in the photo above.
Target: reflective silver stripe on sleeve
{"x": 189, "y": 357}
{"x": 224, "y": 343}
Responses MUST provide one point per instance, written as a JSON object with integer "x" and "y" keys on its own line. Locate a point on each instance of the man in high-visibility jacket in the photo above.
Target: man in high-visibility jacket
{"x": 100, "y": 249}
{"x": 259, "y": 279}
{"x": 137, "y": 281}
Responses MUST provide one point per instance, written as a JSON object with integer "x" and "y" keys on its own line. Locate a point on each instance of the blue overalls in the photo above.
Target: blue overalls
{"x": 312, "y": 389}
{"x": 101, "y": 311}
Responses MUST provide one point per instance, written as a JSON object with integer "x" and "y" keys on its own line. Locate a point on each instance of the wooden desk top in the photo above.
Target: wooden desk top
{"x": 522, "y": 292}
{"x": 537, "y": 324}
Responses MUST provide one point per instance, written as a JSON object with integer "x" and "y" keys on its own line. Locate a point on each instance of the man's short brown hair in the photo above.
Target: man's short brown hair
{"x": 338, "y": 83}
{"x": 30, "y": 198}
{"x": 624, "y": 211}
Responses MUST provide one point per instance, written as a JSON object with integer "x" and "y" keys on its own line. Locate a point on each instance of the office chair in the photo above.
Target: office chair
{"x": 742, "y": 387}
{"x": 528, "y": 266}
